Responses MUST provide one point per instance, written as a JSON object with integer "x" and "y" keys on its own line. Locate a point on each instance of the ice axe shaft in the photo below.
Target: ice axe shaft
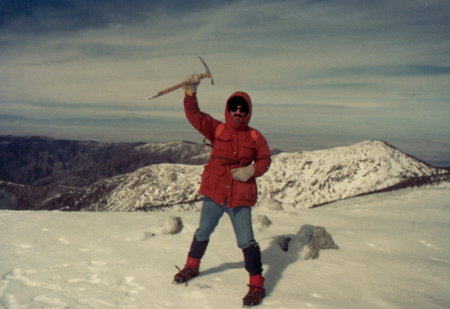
{"x": 174, "y": 87}
{"x": 182, "y": 84}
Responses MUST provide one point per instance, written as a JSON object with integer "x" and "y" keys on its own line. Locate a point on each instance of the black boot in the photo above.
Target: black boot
{"x": 198, "y": 248}
{"x": 252, "y": 259}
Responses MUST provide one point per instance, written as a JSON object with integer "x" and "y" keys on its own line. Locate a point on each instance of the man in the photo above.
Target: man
{"x": 239, "y": 154}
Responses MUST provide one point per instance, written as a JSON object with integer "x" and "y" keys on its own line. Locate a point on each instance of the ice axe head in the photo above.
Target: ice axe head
{"x": 182, "y": 84}
{"x": 208, "y": 72}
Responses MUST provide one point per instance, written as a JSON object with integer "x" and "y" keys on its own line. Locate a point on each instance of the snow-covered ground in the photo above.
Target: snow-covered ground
{"x": 394, "y": 253}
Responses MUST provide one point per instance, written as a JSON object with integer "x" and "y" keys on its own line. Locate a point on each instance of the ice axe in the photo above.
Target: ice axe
{"x": 175, "y": 87}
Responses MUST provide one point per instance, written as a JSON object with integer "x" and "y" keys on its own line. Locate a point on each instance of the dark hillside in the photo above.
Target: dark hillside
{"x": 44, "y": 161}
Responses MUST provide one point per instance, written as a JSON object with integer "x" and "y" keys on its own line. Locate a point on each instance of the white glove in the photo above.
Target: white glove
{"x": 243, "y": 174}
{"x": 192, "y": 81}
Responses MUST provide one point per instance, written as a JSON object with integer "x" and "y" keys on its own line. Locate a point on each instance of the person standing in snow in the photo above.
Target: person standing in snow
{"x": 228, "y": 184}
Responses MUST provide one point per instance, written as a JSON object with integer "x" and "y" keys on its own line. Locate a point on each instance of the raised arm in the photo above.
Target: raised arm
{"x": 202, "y": 122}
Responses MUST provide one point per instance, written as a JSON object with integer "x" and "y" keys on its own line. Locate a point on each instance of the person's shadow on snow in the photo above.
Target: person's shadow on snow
{"x": 283, "y": 251}
{"x": 286, "y": 250}
{"x": 223, "y": 267}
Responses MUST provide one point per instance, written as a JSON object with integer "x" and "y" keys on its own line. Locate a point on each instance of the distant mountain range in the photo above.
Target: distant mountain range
{"x": 45, "y": 161}
{"x": 44, "y": 173}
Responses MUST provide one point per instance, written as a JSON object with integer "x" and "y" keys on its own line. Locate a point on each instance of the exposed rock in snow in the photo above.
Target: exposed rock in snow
{"x": 273, "y": 204}
{"x": 313, "y": 238}
{"x": 283, "y": 242}
{"x": 171, "y": 225}
{"x": 261, "y": 222}
{"x": 148, "y": 235}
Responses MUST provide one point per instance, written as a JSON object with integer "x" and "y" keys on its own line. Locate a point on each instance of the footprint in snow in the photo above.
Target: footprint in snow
{"x": 131, "y": 287}
{"x": 24, "y": 277}
{"x": 203, "y": 286}
{"x": 97, "y": 263}
{"x": 316, "y": 295}
{"x": 50, "y": 302}
{"x": 63, "y": 241}
{"x": 24, "y": 246}
{"x": 375, "y": 247}
{"x": 426, "y": 243}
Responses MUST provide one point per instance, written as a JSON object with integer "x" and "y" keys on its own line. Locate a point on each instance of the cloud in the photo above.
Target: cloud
{"x": 389, "y": 70}
{"x": 349, "y": 64}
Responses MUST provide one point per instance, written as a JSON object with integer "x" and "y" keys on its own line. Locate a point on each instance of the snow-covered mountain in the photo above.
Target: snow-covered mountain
{"x": 307, "y": 179}
{"x": 295, "y": 180}
{"x": 156, "y": 186}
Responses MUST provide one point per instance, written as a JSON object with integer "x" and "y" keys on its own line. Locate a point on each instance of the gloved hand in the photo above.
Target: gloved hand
{"x": 192, "y": 81}
{"x": 243, "y": 174}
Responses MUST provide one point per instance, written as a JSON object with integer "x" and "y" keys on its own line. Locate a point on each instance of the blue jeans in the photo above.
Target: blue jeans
{"x": 241, "y": 219}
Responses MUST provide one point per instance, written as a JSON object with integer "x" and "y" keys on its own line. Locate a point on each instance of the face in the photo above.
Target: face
{"x": 238, "y": 108}
{"x": 237, "y": 113}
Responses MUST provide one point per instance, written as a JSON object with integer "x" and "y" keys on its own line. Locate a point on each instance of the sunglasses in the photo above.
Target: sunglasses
{"x": 235, "y": 107}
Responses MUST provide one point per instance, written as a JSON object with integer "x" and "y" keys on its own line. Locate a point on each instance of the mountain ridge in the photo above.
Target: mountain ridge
{"x": 295, "y": 180}
{"x": 38, "y": 160}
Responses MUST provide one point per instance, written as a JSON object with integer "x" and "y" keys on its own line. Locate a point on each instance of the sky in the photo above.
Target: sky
{"x": 320, "y": 73}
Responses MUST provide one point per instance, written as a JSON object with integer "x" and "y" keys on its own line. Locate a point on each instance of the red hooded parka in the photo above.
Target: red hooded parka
{"x": 233, "y": 147}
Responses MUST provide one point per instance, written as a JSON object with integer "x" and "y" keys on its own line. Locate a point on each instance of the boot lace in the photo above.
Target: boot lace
{"x": 185, "y": 274}
{"x": 254, "y": 296}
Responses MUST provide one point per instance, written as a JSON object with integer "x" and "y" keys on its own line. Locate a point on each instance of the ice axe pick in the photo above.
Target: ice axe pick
{"x": 207, "y": 74}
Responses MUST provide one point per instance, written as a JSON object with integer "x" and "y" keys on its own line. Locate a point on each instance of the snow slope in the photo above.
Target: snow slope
{"x": 394, "y": 253}
{"x": 294, "y": 180}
